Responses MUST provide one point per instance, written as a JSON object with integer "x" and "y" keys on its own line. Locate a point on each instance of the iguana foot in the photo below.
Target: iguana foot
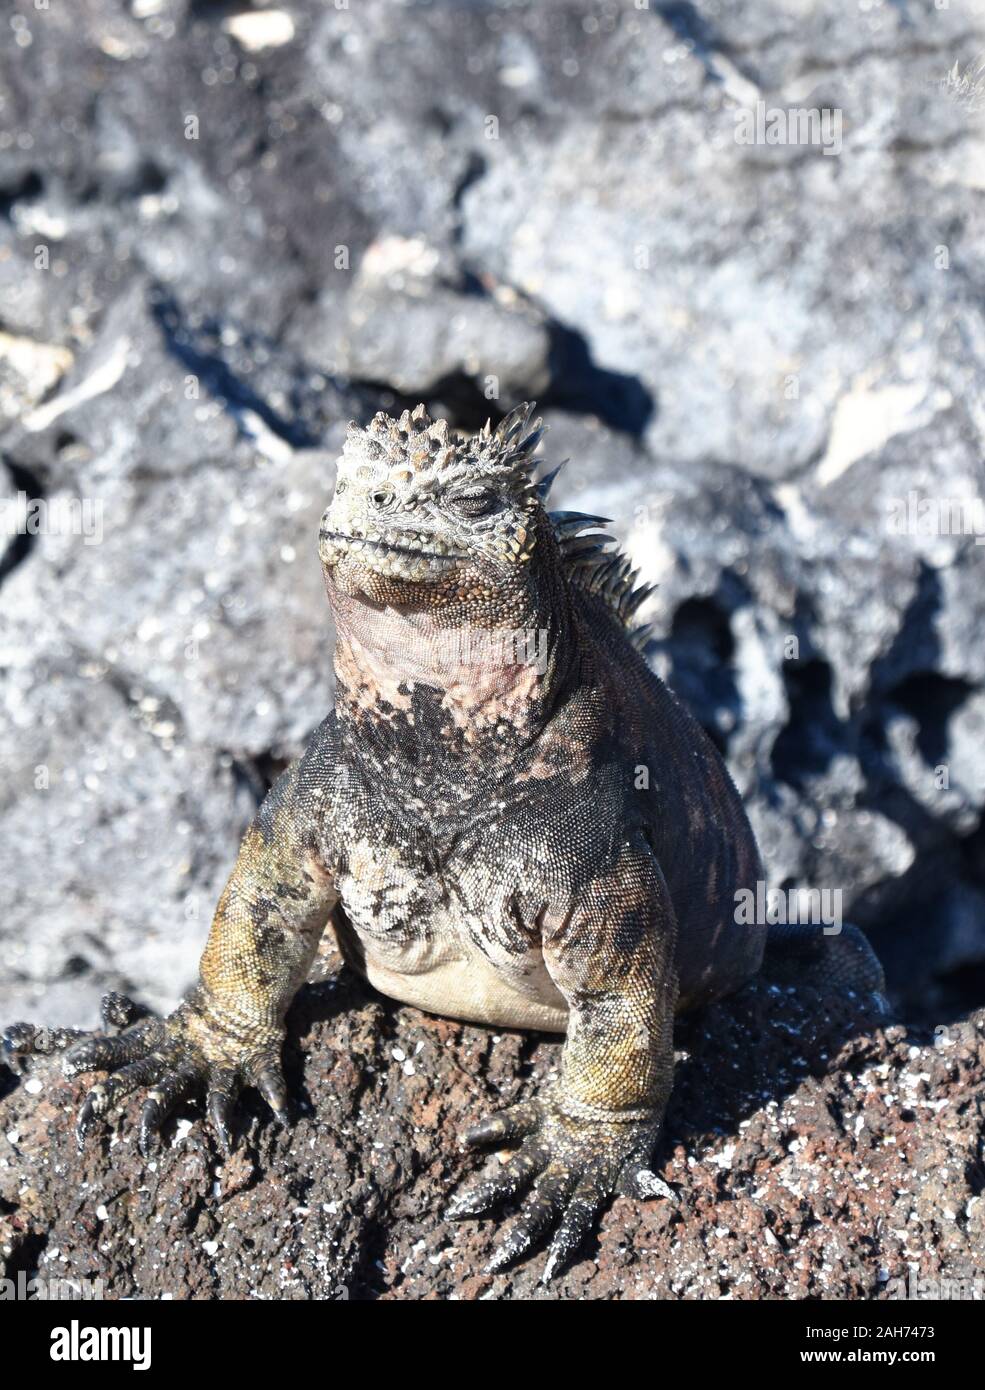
{"x": 188, "y": 1052}
{"x": 572, "y": 1167}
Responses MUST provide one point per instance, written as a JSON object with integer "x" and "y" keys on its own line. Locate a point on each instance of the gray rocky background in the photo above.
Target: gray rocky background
{"x": 225, "y": 231}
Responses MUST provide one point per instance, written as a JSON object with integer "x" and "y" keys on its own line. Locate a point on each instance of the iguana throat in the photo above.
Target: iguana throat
{"x": 438, "y": 710}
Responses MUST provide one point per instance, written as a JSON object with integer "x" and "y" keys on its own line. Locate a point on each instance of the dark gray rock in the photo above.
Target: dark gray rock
{"x": 748, "y": 352}
{"x": 402, "y": 325}
{"x": 117, "y": 836}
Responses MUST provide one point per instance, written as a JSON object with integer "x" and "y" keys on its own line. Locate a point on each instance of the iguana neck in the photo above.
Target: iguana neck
{"x": 456, "y": 704}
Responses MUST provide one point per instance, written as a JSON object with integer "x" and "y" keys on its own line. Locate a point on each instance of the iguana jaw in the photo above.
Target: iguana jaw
{"x": 358, "y": 544}
{"x": 405, "y": 556}
{"x": 390, "y": 563}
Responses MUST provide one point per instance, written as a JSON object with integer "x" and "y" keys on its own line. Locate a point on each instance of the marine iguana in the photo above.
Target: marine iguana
{"x": 507, "y": 818}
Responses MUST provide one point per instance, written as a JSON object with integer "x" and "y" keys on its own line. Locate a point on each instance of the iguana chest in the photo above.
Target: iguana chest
{"x": 443, "y": 935}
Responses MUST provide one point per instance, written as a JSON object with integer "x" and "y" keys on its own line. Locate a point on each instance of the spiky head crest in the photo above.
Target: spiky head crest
{"x": 416, "y": 449}
{"x": 417, "y": 504}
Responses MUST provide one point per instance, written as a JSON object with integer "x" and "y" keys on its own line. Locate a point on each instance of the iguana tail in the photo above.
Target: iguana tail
{"x": 802, "y": 953}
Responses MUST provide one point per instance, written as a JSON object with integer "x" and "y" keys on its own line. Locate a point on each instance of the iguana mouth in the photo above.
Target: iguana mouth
{"x": 357, "y": 543}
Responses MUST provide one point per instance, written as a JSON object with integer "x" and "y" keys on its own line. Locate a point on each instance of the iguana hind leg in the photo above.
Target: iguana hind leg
{"x": 609, "y": 948}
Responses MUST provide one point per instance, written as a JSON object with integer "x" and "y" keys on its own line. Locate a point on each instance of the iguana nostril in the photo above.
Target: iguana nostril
{"x": 380, "y": 499}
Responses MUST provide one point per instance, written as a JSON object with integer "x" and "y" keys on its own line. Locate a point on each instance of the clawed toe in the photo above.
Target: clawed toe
{"x": 579, "y": 1217}
{"x": 571, "y": 1167}
{"x": 28, "y": 1039}
{"x": 31, "y": 1039}
{"x": 105, "y": 1094}
{"x": 514, "y": 1123}
{"x": 272, "y": 1086}
{"x": 170, "y": 1058}
{"x": 500, "y": 1181}
{"x": 97, "y": 1052}
{"x": 220, "y": 1104}
{"x": 169, "y": 1090}
{"x": 643, "y": 1183}
{"x": 119, "y": 1010}
{"x": 539, "y": 1212}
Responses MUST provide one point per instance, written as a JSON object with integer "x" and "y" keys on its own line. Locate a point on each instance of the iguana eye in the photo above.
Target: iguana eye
{"x": 473, "y": 503}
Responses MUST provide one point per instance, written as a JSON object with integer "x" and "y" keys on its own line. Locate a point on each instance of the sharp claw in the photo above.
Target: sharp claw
{"x": 514, "y": 1123}
{"x": 500, "y": 1182}
{"x": 219, "y": 1107}
{"x": 149, "y": 1136}
{"x": 540, "y": 1209}
{"x": 644, "y": 1183}
{"x": 574, "y": 1169}
{"x": 171, "y": 1088}
{"x": 150, "y": 1052}
{"x": 563, "y": 1246}
{"x": 481, "y": 1195}
{"x": 468, "y": 1203}
{"x": 88, "y": 1114}
{"x": 578, "y": 1219}
{"x": 508, "y": 1250}
{"x": 273, "y": 1088}
{"x": 144, "y": 1072}
{"x": 223, "y": 1085}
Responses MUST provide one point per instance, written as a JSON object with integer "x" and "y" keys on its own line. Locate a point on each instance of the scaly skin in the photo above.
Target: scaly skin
{"x": 523, "y": 835}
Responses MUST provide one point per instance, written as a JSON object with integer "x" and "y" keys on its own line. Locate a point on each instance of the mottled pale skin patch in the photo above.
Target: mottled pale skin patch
{"x": 382, "y": 654}
{"x": 371, "y": 686}
{"x": 500, "y": 696}
{"x": 476, "y": 832}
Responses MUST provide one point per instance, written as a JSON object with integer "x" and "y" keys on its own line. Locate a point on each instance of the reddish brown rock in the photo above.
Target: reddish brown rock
{"x": 815, "y": 1153}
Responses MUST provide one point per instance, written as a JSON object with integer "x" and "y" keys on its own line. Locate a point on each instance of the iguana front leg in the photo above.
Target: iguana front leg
{"x": 230, "y": 1029}
{"x": 611, "y": 954}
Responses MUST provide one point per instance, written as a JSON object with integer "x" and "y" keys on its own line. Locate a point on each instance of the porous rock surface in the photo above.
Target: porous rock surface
{"x": 815, "y": 1154}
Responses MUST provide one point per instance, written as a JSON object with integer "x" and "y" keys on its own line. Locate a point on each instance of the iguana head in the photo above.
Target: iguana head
{"x": 456, "y": 596}
{"x": 423, "y": 519}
